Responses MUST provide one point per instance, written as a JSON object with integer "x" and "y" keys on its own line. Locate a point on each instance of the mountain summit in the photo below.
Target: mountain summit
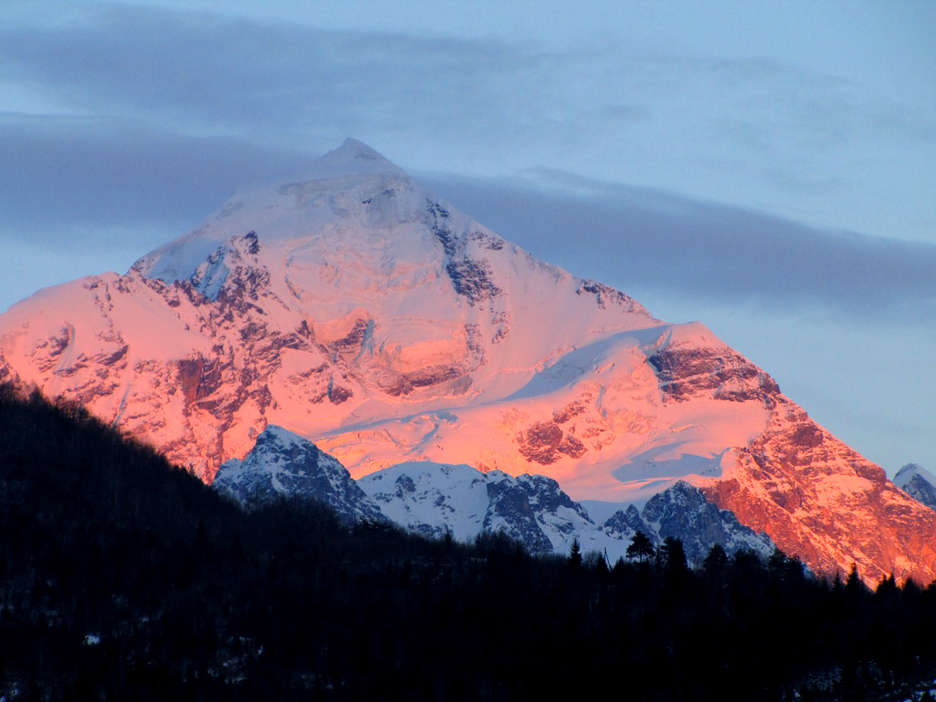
{"x": 355, "y": 158}
{"x": 357, "y": 310}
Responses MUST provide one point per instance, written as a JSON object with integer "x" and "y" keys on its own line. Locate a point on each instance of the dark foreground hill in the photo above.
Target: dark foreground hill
{"x": 123, "y": 578}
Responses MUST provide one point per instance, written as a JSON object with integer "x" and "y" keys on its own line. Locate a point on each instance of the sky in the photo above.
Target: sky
{"x": 768, "y": 169}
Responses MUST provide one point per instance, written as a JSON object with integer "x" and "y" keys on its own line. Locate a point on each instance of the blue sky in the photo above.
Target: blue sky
{"x": 765, "y": 168}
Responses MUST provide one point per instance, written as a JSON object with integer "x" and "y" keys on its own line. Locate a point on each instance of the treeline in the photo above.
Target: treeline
{"x": 123, "y": 578}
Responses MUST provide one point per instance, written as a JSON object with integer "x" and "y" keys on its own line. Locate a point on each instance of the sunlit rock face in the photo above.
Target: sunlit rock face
{"x": 826, "y": 502}
{"x": 357, "y": 310}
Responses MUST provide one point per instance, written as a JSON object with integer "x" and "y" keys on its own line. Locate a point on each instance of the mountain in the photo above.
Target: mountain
{"x": 457, "y": 500}
{"x": 917, "y": 482}
{"x": 282, "y": 463}
{"x": 435, "y": 500}
{"x": 357, "y": 310}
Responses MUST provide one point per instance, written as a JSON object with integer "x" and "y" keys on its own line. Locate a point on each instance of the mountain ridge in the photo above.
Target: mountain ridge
{"x": 461, "y": 502}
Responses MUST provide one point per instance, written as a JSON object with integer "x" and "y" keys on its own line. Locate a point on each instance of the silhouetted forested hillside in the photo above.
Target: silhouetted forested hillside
{"x": 122, "y": 578}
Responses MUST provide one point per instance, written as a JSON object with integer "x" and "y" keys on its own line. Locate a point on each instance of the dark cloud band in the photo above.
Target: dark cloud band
{"x": 641, "y": 239}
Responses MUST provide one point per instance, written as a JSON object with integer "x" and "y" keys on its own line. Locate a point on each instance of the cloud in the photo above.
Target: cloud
{"x": 235, "y": 73}
{"x": 216, "y": 72}
{"x": 640, "y": 239}
{"x": 59, "y": 174}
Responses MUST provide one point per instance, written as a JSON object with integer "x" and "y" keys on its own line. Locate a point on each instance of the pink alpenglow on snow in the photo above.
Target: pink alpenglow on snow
{"x": 358, "y": 311}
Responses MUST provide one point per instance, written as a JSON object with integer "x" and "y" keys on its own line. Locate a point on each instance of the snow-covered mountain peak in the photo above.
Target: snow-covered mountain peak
{"x": 399, "y": 295}
{"x": 345, "y": 197}
{"x": 359, "y": 238}
{"x": 354, "y": 157}
{"x": 283, "y": 463}
{"x": 909, "y": 471}
{"x": 356, "y": 309}
{"x": 279, "y": 439}
{"x": 917, "y": 482}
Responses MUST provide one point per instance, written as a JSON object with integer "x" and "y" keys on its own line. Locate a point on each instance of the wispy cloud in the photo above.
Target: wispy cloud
{"x": 646, "y": 240}
{"x": 199, "y": 71}
{"x": 59, "y": 174}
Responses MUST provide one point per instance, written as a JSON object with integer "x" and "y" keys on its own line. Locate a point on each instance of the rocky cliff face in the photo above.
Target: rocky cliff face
{"x": 355, "y": 309}
{"x": 825, "y": 502}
